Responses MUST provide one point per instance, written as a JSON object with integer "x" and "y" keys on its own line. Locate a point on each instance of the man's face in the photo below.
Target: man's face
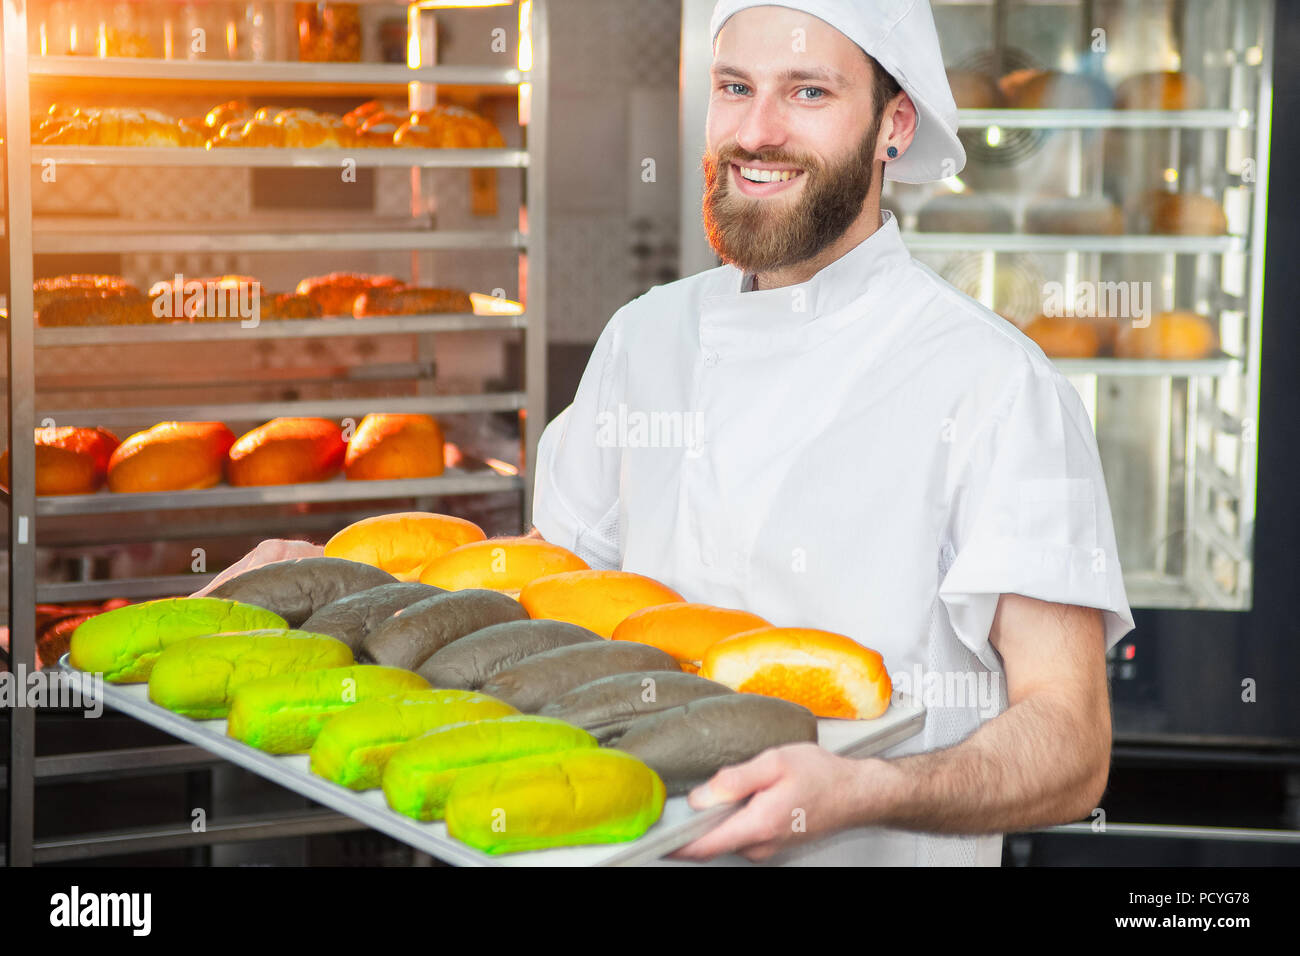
{"x": 791, "y": 138}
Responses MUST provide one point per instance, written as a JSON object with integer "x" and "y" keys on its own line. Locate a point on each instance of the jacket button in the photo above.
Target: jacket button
{"x": 711, "y": 359}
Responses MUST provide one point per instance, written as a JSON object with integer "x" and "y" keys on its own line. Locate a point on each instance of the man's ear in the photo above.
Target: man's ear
{"x": 898, "y": 127}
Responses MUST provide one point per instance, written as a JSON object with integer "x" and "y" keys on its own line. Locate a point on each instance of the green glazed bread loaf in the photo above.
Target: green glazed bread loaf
{"x": 196, "y": 677}
{"x": 123, "y": 644}
{"x": 558, "y": 799}
{"x": 420, "y": 773}
{"x": 285, "y": 713}
{"x": 353, "y": 747}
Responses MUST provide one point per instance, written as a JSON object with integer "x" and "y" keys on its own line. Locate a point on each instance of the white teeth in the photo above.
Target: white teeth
{"x": 767, "y": 175}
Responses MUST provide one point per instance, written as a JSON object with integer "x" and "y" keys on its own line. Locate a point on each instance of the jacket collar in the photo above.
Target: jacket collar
{"x": 797, "y": 317}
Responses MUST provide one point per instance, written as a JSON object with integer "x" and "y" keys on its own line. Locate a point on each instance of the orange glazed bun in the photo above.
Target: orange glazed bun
{"x": 287, "y": 451}
{"x": 596, "y": 600}
{"x": 395, "y": 446}
{"x": 402, "y": 544}
{"x": 685, "y": 630}
{"x": 69, "y": 461}
{"x": 830, "y": 674}
{"x": 171, "y": 456}
{"x": 499, "y": 564}
{"x": 1170, "y": 335}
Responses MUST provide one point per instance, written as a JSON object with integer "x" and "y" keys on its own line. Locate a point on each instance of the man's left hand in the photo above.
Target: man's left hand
{"x": 799, "y": 792}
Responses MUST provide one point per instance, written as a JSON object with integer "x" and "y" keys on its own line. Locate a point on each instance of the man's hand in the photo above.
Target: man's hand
{"x": 800, "y": 792}
{"x": 1044, "y": 761}
{"x": 268, "y": 552}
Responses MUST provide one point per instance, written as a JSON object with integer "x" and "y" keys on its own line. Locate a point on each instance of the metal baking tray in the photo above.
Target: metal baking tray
{"x": 678, "y": 826}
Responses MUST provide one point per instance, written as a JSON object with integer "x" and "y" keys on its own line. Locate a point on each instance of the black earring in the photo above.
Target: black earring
{"x": 892, "y": 152}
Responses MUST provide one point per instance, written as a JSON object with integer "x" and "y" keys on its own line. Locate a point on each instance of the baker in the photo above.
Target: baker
{"x": 872, "y": 452}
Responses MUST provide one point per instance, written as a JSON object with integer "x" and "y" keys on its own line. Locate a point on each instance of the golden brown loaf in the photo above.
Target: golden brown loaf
{"x": 1064, "y": 337}
{"x": 448, "y": 127}
{"x": 1076, "y": 216}
{"x": 416, "y": 301}
{"x": 288, "y": 305}
{"x": 1170, "y": 335}
{"x": 131, "y": 308}
{"x": 1169, "y": 90}
{"x": 337, "y": 292}
{"x": 1180, "y": 214}
{"x": 287, "y": 451}
{"x": 69, "y": 461}
{"x": 963, "y": 213}
{"x": 395, "y": 446}
{"x": 171, "y": 456}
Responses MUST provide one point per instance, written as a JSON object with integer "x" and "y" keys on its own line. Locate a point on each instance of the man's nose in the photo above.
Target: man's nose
{"x": 762, "y": 126}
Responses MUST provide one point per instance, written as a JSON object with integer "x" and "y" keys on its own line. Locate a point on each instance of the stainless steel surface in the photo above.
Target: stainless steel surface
{"x": 160, "y": 586}
{"x": 1039, "y": 243}
{"x": 535, "y": 351}
{"x": 279, "y": 157}
{"x": 278, "y": 329}
{"x": 678, "y": 826}
{"x": 398, "y": 240}
{"x": 695, "y": 254}
{"x": 22, "y": 421}
{"x": 239, "y": 72}
{"x": 1174, "y": 832}
{"x": 1106, "y": 119}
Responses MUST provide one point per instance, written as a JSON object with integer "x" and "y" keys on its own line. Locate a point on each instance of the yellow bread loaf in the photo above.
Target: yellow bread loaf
{"x": 685, "y": 630}
{"x": 830, "y": 674}
{"x": 198, "y": 676}
{"x": 499, "y": 564}
{"x": 284, "y": 714}
{"x": 596, "y": 600}
{"x": 402, "y": 544}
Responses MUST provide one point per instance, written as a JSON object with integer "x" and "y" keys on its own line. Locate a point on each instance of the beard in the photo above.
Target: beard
{"x": 762, "y": 235}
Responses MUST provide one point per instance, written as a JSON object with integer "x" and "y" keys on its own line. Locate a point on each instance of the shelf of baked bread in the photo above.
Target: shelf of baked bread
{"x": 1058, "y": 243}
{"x": 1105, "y": 119}
{"x": 279, "y": 157}
{"x": 336, "y": 408}
{"x": 325, "y": 327}
{"x": 1214, "y": 366}
{"x": 230, "y": 77}
{"x": 207, "y": 237}
{"x": 452, "y": 482}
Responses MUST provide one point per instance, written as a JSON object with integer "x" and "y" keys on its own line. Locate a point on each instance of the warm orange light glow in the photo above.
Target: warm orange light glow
{"x": 526, "y": 35}
{"x": 494, "y": 305}
{"x": 525, "y": 103}
{"x": 501, "y": 467}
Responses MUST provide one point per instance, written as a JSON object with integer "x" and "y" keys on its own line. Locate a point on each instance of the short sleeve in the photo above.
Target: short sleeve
{"x": 1030, "y": 515}
{"x": 575, "y": 495}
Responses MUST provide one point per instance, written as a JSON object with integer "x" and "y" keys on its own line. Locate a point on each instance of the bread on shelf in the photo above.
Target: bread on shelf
{"x": 395, "y": 446}
{"x": 1032, "y": 89}
{"x": 963, "y": 212}
{"x": 1170, "y": 335}
{"x": 1166, "y": 90}
{"x": 69, "y": 460}
{"x": 1075, "y": 216}
{"x": 337, "y": 292}
{"x": 1179, "y": 214}
{"x": 411, "y": 301}
{"x": 127, "y": 309}
{"x": 287, "y": 451}
{"x": 973, "y": 90}
{"x": 1065, "y": 337}
{"x": 170, "y": 456}
{"x": 448, "y": 127}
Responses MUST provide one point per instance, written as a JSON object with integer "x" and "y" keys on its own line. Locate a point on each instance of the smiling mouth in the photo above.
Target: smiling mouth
{"x": 750, "y": 174}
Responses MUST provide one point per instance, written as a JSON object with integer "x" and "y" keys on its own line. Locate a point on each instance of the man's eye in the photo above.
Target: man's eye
{"x": 817, "y": 93}
{"x": 736, "y": 89}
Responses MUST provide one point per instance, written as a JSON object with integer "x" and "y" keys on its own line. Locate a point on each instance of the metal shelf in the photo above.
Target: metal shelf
{"x": 1213, "y": 367}
{"x": 1106, "y": 119}
{"x": 1054, "y": 243}
{"x": 161, "y": 586}
{"x": 192, "y": 242}
{"x": 225, "y": 496}
{"x": 279, "y": 157}
{"x": 276, "y": 329}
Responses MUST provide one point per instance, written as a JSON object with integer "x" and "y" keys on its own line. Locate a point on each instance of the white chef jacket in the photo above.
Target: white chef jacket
{"x": 870, "y": 452}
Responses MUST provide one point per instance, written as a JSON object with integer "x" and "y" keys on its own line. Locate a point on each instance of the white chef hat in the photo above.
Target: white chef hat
{"x": 900, "y": 35}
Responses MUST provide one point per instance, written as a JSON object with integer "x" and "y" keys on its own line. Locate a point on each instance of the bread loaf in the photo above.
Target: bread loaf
{"x": 596, "y": 600}
{"x": 299, "y": 587}
{"x": 354, "y": 747}
{"x": 130, "y": 308}
{"x": 1049, "y": 90}
{"x": 558, "y": 799}
{"x": 963, "y": 213}
{"x": 607, "y": 707}
{"x": 284, "y": 714}
{"x": 479, "y": 656}
{"x": 1064, "y": 337}
{"x": 1179, "y": 214}
{"x": 499, "y": 564}
{"x": 1170, "y": 336}
{"x": 287, "y": 451}
{"x": 540, "y": 679}
{"x": 402, "y": 544}
{"x": 123, "y": 644}
{"x": 1075, "y": 215}
{"x": 197, "y": 677}
{"x": 337, "y": 292}
{"x": 1169, "y": 90}
{"x": 412, "y": 635}
{"x": 69, "y": 461}
{"x": 420, "y": 773}
{"x": 410, "y": 301}
{"x": 353, "y": 616}
{"x": 170, "y": 456}
{"x": 685, "y": 630}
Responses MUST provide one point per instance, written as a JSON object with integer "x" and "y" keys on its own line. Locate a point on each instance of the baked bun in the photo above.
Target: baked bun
{"x": 170, "y": 456}
{"x": 1179, "y": 214}
{"x": 228, "y": 112}
{"x": 1065, "y": 337}
{"x": 1075, "y": 216}
{"x": 962, "y": 212}
{"x": 222, "y": 298}
{"x": 402, "y": 544}
{"x": 337, "y": 292}
{"x": 378, "y": 129}
{"x": 596, "y": 600}
{"x": 418, "y": 301}
{"x": 287, "y": 451}
{"x": 1169, "y": 90}
{"x": 395, "y": 446}
{"x": 975, "y": 91}
{"x": 1170, "y": 335}
{"x": 288, "y": 305}
{"x": 130, "y": 308}
{"x": 499, "y": 564}
{"x": 448, "y": 127}
{"x": 358, "y": 116}
{"x": 685, "y": 630}
{"x": 830, "y": 674}
{"x": 69, "y": 461}
{"x": 81, "y": 286}
{"x": 1050, "y": 90}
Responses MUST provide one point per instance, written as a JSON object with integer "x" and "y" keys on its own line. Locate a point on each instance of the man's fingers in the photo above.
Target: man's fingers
{"x": 733, "y": 784}
{"x": 762, "y": 821}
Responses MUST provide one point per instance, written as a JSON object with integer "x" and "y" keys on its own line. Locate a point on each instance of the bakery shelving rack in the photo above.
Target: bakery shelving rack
{"x": 26, "y": 75}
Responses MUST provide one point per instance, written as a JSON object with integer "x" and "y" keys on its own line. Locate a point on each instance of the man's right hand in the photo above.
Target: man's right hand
{"x": 268, "y": 552}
